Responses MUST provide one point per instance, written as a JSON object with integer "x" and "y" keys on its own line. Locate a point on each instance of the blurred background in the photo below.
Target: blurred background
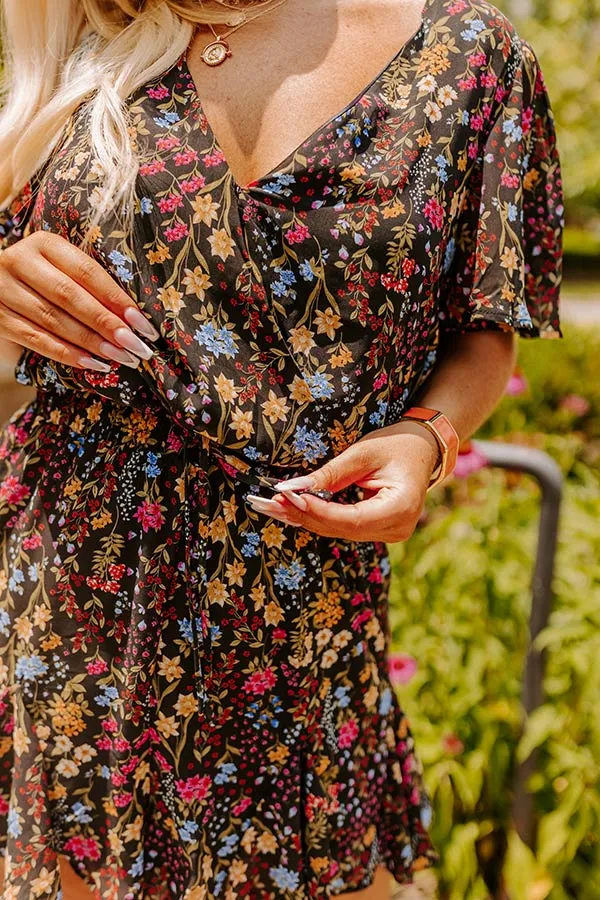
{"x": 462, "y": 585}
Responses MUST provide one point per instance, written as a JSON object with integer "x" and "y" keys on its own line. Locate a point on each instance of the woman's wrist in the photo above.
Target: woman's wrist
{"x": 429, "y": 452}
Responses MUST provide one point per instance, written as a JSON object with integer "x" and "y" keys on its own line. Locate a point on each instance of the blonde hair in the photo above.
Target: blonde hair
{"x": 60, "y": 53}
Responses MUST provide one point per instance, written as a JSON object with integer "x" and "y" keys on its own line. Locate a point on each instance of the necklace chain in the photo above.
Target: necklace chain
{"x": 217, "y": 51}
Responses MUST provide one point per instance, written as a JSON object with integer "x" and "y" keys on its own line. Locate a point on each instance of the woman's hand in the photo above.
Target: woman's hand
{"x": 57, "y": 301}
{"x": 392, "y": 465}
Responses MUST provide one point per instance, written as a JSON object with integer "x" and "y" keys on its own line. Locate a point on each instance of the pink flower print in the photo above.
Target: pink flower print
{"x": 167, "y": 143}
{"x": 177, "y": 232}
{"x": 158, "y": 93}
{"x": 348, "y": 734}
{"x": 83, "y": 848}
{"x": 97, "y": 667}
{"x": 401, "y": 668}
{"x": 434, "y": 211}
{"x": 260, "y": 682}
{"x": 153, "y": 168}
{"x": 297, "y": 234}
{"x": 13, "y": 491}
{"x": 149, "y": 515}
{"x": 32, "y": 542}
{"x": 193, "y": 185}
{"x": 186, "y": 157}
{"x": 171, "y": 203}
{"x": 194, "y": 788}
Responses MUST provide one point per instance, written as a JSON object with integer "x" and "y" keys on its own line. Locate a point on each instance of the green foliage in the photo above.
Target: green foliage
{"x": 460, "y": 605}
{"x": 566, "y": 37}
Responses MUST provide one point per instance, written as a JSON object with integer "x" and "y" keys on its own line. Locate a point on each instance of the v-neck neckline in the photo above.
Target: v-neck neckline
{"x": 282, "y": 164}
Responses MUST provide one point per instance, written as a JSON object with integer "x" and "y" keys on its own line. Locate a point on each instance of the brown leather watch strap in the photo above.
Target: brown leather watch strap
{"x": 445, "y": 434}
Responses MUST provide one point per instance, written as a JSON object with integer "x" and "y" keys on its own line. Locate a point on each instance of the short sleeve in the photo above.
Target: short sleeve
{"x": 503, "y": 265}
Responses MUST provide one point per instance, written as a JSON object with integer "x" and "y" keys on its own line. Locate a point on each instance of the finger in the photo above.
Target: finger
{"x": 356, "y": 462}
{"x": 52, "y": 320}
{"x": 32, "y": 337}
{"x": 59, "y": 293}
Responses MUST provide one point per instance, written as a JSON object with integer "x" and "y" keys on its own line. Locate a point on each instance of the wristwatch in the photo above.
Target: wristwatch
{"x": 444, "y": 433}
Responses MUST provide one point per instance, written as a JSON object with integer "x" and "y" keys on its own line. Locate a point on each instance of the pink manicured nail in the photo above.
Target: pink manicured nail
{"x": 303, "y": 483}
{"x": 296, "y": 499}
{"x": 130, "y": 341}
{"x": 119, "y": 355}
{"x": 89, "y": 363}
{"x": 135, "y": 318}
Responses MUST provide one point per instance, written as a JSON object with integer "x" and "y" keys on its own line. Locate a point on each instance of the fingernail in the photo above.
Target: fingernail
{"x": 120, "y": 356}
{"x": 89, "y": 363}
{"x": 135, "y": 318}
{"x": 303, "y": 483}
{"x": 130, "y": 341}
{"x": 296, "y": 499}
{"x": 262, "y": 505}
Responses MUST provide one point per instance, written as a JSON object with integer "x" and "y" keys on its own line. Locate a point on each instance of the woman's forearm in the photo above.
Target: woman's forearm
{"x": 470, "y": 378}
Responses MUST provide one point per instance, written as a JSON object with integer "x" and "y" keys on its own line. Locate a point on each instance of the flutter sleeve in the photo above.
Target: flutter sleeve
{"x": 504, "y": 263}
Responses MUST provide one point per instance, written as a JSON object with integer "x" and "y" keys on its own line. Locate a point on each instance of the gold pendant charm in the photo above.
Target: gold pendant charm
{"x": 216, "y": 52}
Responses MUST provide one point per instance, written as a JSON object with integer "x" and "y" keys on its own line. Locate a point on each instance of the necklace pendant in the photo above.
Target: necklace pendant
{"x": 216, "y": 52}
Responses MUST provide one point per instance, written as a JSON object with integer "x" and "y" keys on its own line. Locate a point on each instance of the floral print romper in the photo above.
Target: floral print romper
{"x": 195, "y": 698}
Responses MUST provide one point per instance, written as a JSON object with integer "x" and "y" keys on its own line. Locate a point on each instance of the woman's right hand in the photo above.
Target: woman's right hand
{"x": 60, "y": 303}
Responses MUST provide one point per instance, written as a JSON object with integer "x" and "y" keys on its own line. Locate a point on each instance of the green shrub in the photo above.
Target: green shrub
{"x": 460, "y": 605}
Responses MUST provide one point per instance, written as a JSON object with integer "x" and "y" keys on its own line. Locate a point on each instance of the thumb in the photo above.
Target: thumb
{"x": 333, "y": 475}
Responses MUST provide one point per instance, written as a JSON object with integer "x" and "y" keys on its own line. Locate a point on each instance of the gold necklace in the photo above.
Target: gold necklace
{"x": 217, "y": 51}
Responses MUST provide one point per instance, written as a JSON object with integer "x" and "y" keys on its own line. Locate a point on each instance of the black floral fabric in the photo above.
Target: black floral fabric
{"x": 196, "y": 699}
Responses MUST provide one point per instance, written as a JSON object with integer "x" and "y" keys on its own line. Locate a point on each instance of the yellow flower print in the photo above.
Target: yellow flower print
{"x": 167, "y": 726}
{"x": 446, "y": 95}
{"x": 95, "y": 234}
{"x": 77, "y": 425}
{"x": 218, "y": 529}
{"x": 329, "y": 609}
{"x": 230, "y": 508}
{"x": 101, "y": 520}
{"x": 221, "y": 243}
{"x": 133, "y": 831}
{"x": 217, "y": 591}
{"x": 424, "y": 140}
{"x": 351, "y": 172}
{"x": 155, "y": 257}
{"x": 301, "y": 339}
{"x": 427, "y": 85}
{"x": 279, "y": 754}
{"x": 371, "y": 697}
{"x": 141, "y": 772}
{"x": 171, "y": 299}
{"x": 62, "y": 744}
{"x": 275, "y": 408}
{"x": 51, "y": 642}
{"x": 58, "y": 792}
{"x": 273, "y": 613}
{"x": 508, "y": 293}
{"x": 42, "y": 884}
{"x": 432, "y": 111}
{"x": 197, "y": 282}
{"x": 272, "y": 535}
{"x": 237, "y": 871}
{"x": 3, "y": 580}
{"x": 327, "y": 322}
{"x": 341, "y": 639}
{"x": 186, "y": 705}
{"x": 197, "y": 893}
{"x": 67, "y": 767}
{"x": 323, "y": 637}
{"x": 320, "y": 864}
{"x": 67, "y": 717}
{"x": 509, "y": 259}
{"x": 170, "y": 668}
{"x": 434, "y": 60}
{"x": 93, "y": 411}
{"x": 300, "y": 391}
{"x": 341, "y": 437}
{"x": 138, "y": 426}
{"x": 235, "y": 572}
{"x": 21, "y": 741}
{"x": 23, "y": 627}
{"x": 115, "y": 842}
{"x": 322, "y": 765}
{"x": 84, "y": 753}
{"x": 225, "y": 388}
{"x": 328, "y": 659}
{"x": 530, "y": 179}
{"x": 266, "y": 843}
{"x": 205, "y": 209}
{"x": 394, "y": 209}
{"x": 41, "y": 616}
{"x": 257, "y": 595}
{"x": 241, "y": 423}
{"x": 248, "y": 839}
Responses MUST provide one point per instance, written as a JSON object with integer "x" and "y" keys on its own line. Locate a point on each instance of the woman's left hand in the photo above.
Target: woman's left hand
{"x": 392, "y": 465}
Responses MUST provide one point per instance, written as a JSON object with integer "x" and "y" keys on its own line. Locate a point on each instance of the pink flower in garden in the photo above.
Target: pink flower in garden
{"x": 470, "y": 460}
{"x": 348, "y": 734}
{"x": 517, "y": 384}
{"x": 13, "y": 491}
{"x": 401, "y": 668}
{"x": 194, "y": 788}
{"x": 149, "y": 515}
{"x": 452, "y": 744}
{"x": 575, "y": 404}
